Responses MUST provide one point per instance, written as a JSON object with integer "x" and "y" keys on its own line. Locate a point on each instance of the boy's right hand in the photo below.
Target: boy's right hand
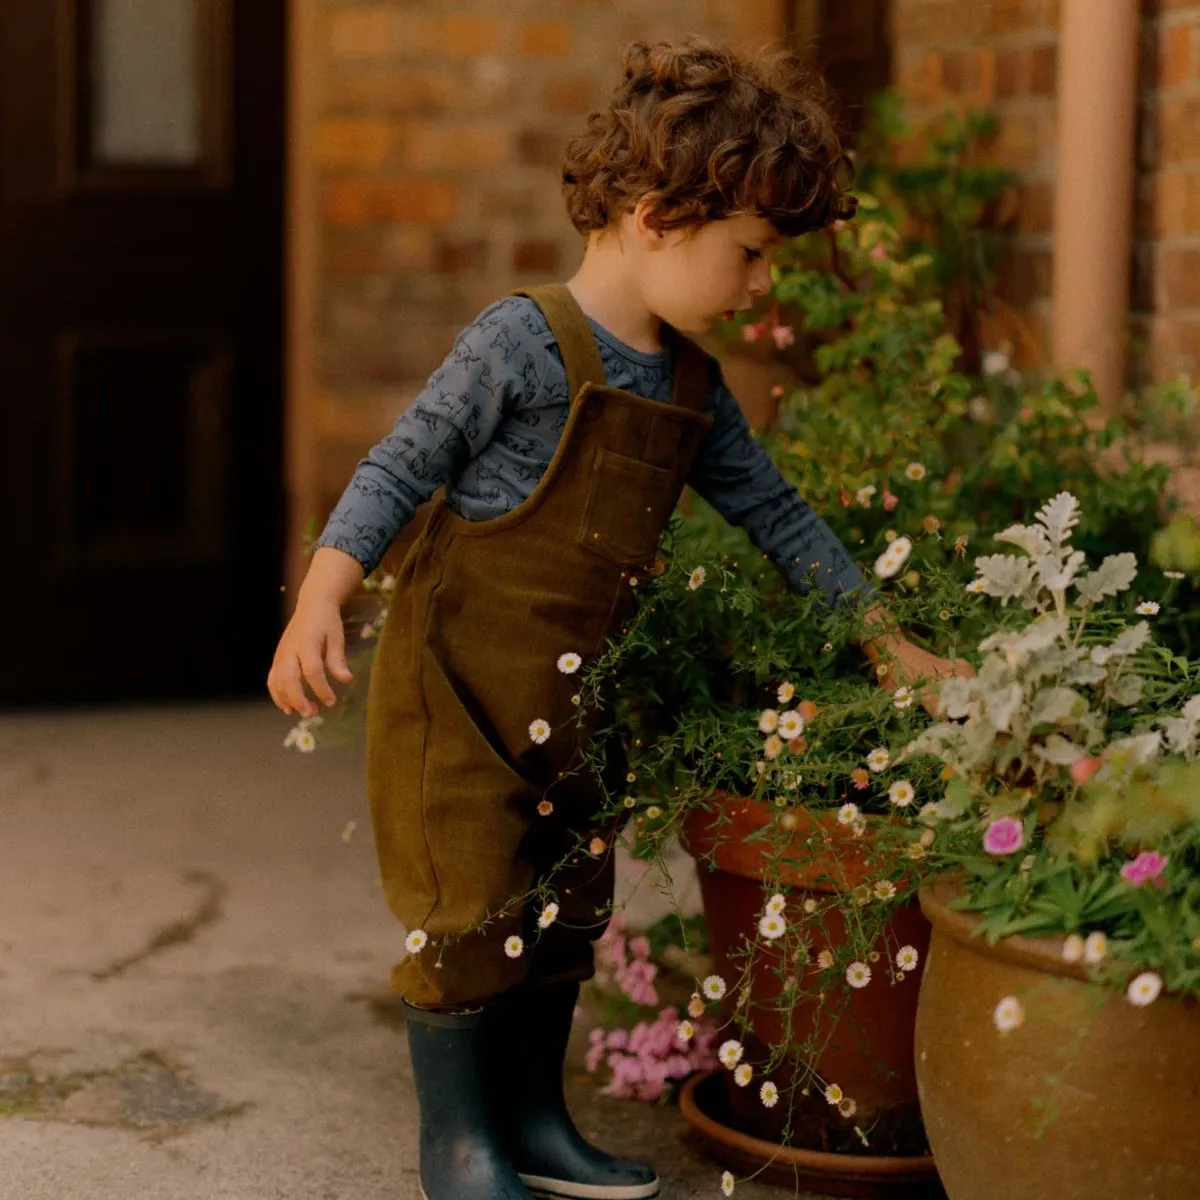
{"x": 312, "y": 643}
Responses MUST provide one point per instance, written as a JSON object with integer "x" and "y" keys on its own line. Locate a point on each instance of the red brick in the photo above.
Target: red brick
{"x": 532, "y": 255}
{"x": 541, "y": 147}
{"x": 1191, "y": 202}
{"x": 1035, "y": 213}
{"x": 1177, "y": 282}
{"x": 1010, "y": 74}
{"x": 545, "y": 39}
{"x": 570, "y": 97}
{"x": 1170, "y": 195}
{"x": 471, "y": 36}
{"x": 376, "y": 251}
{"x": 1179, "y": 130}
{"x": 364, "y": 32}
{"x": 969, "y": 74}
{"x": 1043, "y": 70}
{"x": 407, "y": 89}
{"x": 370, "y": 202}
{"x": 1017, "y": 16}
{"x": 464, "y": 145}
{"x": 356, "y": 145}
{"x": 453, "y": 255}
{"x": 942, "y": 21}
{"x": 919, "y": 78}
{"x": 1175, "y": 56}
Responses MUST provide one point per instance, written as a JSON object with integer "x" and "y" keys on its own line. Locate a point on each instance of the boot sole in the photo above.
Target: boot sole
{"x": 543, "y": 1188}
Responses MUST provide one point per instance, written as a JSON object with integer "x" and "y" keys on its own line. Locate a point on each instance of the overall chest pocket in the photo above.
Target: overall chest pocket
{"x": 628, "y": 505}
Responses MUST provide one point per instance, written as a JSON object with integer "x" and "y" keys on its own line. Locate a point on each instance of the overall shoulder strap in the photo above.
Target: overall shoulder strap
{"x": 693, "y": 374}
{"x": 576, "y": 341}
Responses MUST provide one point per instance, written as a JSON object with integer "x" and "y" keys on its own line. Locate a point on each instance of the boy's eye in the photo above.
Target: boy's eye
{"x": 751, "y": 253}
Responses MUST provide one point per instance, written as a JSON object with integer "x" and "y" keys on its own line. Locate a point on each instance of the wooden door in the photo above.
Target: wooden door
{"x": 141, "y": 267}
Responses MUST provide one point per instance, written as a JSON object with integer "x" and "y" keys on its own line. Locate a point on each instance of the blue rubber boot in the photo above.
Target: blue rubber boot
{"x": 526, "y": 1049}
{"x": 461, "y": 1154}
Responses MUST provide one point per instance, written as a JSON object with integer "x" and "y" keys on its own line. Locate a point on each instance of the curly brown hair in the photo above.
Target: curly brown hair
{"x": 712, "y": 134}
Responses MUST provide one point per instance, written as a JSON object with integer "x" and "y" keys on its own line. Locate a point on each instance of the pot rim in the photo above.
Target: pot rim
{"x": 849, "y": 1166}
{"x": 1041, "y": 953}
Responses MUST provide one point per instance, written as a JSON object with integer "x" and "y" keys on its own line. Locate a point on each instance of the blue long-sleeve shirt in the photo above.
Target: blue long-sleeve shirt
{"x": 487, "y": 423}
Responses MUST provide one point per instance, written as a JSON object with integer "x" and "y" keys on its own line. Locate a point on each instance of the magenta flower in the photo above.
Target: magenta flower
{"x": 752, "y": 333}
{"x": 1146, "y": 868}
{"x": 1005, "y": 835}
{"x": 784, "y": 336}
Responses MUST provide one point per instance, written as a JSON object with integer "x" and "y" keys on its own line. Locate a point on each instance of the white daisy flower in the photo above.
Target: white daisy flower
{"x": 785, "y": 693}
{"x": 1009, "y": 1014}
{"x": 896, "y": 555}
{"x": 768, "y": 721}
{"x": 1174, "y": 574}
{"x": 1072, "y": 950}
{"x": 975, "y": 587}
{"x": 825, "y": 960}
{"x": 305, "y": 742}
{"x": 864, "y": 494}
{"x": 548, "y": 916}
{"x": 539, "y": 731}
{"x": 776, "y": 904}
{"x": 884, "y": 889}
{"x": 697, "y": 577}
{"x": 685, "y": 1032}
{"x": 901, "y": 793}
{"x": 730, "y": 1053}
{"x": 995, "y": 362}
{"x": 915, "y": 471}
{"x": 514, "y": 947}
{"x": 810, "y": 905}
{"x": 903, "y": 697}
{"x": 743, "y": 1074}
{"x": 791, "y": 725}
{"x": 727, "y": 1183}
{"x": 772, "y": 926}
{"x": 878, "y": 759}
{"x": 416, "y": 941}
{"x": 1148, "y": 608}
{"x": 768, "y": 1094}
{"x": 858, "y": 975}
{"x": 833, "y": 1094}
{"x": 773, "y": 746}
{"x": 713, "y": 987}
{"x": 848, "y": 1107}
{"x": 569, "y": 663}
{"x": 695, "y": 1006}
{"x": 907, "y": 958}
{"x": 1095, "y": 949}
{"x": 848, "y": 814}
{"x": 1144, "y": 989}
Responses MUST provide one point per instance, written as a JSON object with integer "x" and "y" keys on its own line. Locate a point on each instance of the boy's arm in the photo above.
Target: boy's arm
{"x": 736, "y": 475}
{"x": 451, "y": 420}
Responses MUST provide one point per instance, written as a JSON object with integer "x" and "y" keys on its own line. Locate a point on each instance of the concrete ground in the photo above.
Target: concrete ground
{"x": 193, "y": 974}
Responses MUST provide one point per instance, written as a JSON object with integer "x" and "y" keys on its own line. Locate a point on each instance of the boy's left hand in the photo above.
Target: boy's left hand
{"x": 911, "y": 666}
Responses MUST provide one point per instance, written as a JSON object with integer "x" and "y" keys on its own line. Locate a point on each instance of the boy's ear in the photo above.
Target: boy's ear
{"x": 646, "y": 217}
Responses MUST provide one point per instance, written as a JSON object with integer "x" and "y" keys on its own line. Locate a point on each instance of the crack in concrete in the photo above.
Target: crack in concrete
{"x": 145, "y": 1094}
{"x": 177, "y": 932}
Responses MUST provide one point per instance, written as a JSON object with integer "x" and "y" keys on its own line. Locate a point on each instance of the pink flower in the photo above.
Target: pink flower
{"x": 1146, "y": 868}
{"x": 879, "y": 253}
{"x": 639, "y": 947}
{"x": 752, "y": 332}
{"x": 1005, "y": 835}
{"x": 890, "y": 501}
{"x": 1084, "y": 767}
{"x": 784, "y": 336}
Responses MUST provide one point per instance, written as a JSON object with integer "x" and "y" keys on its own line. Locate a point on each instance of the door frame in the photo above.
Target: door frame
{"x": 302, "y": 231}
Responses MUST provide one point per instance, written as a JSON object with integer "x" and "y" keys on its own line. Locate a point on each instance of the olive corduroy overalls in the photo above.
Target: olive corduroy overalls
{"x": 468, "y": 658}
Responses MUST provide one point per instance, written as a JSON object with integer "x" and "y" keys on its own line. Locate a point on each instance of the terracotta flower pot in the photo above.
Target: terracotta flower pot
{"x": 1122, "y": 1119}
{"x": 867, "y": 1044}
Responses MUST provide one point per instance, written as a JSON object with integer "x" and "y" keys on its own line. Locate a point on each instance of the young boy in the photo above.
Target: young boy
{"x": 563, "y": 424}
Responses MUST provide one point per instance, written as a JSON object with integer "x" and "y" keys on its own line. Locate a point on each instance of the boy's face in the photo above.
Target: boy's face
{"x": 694, "y": 277}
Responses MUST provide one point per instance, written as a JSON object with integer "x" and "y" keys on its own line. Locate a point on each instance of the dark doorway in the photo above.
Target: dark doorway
{"x": 853, "y": 46}
{"x": 141, "y": 327}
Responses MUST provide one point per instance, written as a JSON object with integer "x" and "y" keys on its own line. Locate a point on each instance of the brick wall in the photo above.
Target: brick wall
{"x": 440, "y": 136}
{"x": 1002, "y": 54}
{"x": 999, "y": 55}
{"x": 1167, "y": 255}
